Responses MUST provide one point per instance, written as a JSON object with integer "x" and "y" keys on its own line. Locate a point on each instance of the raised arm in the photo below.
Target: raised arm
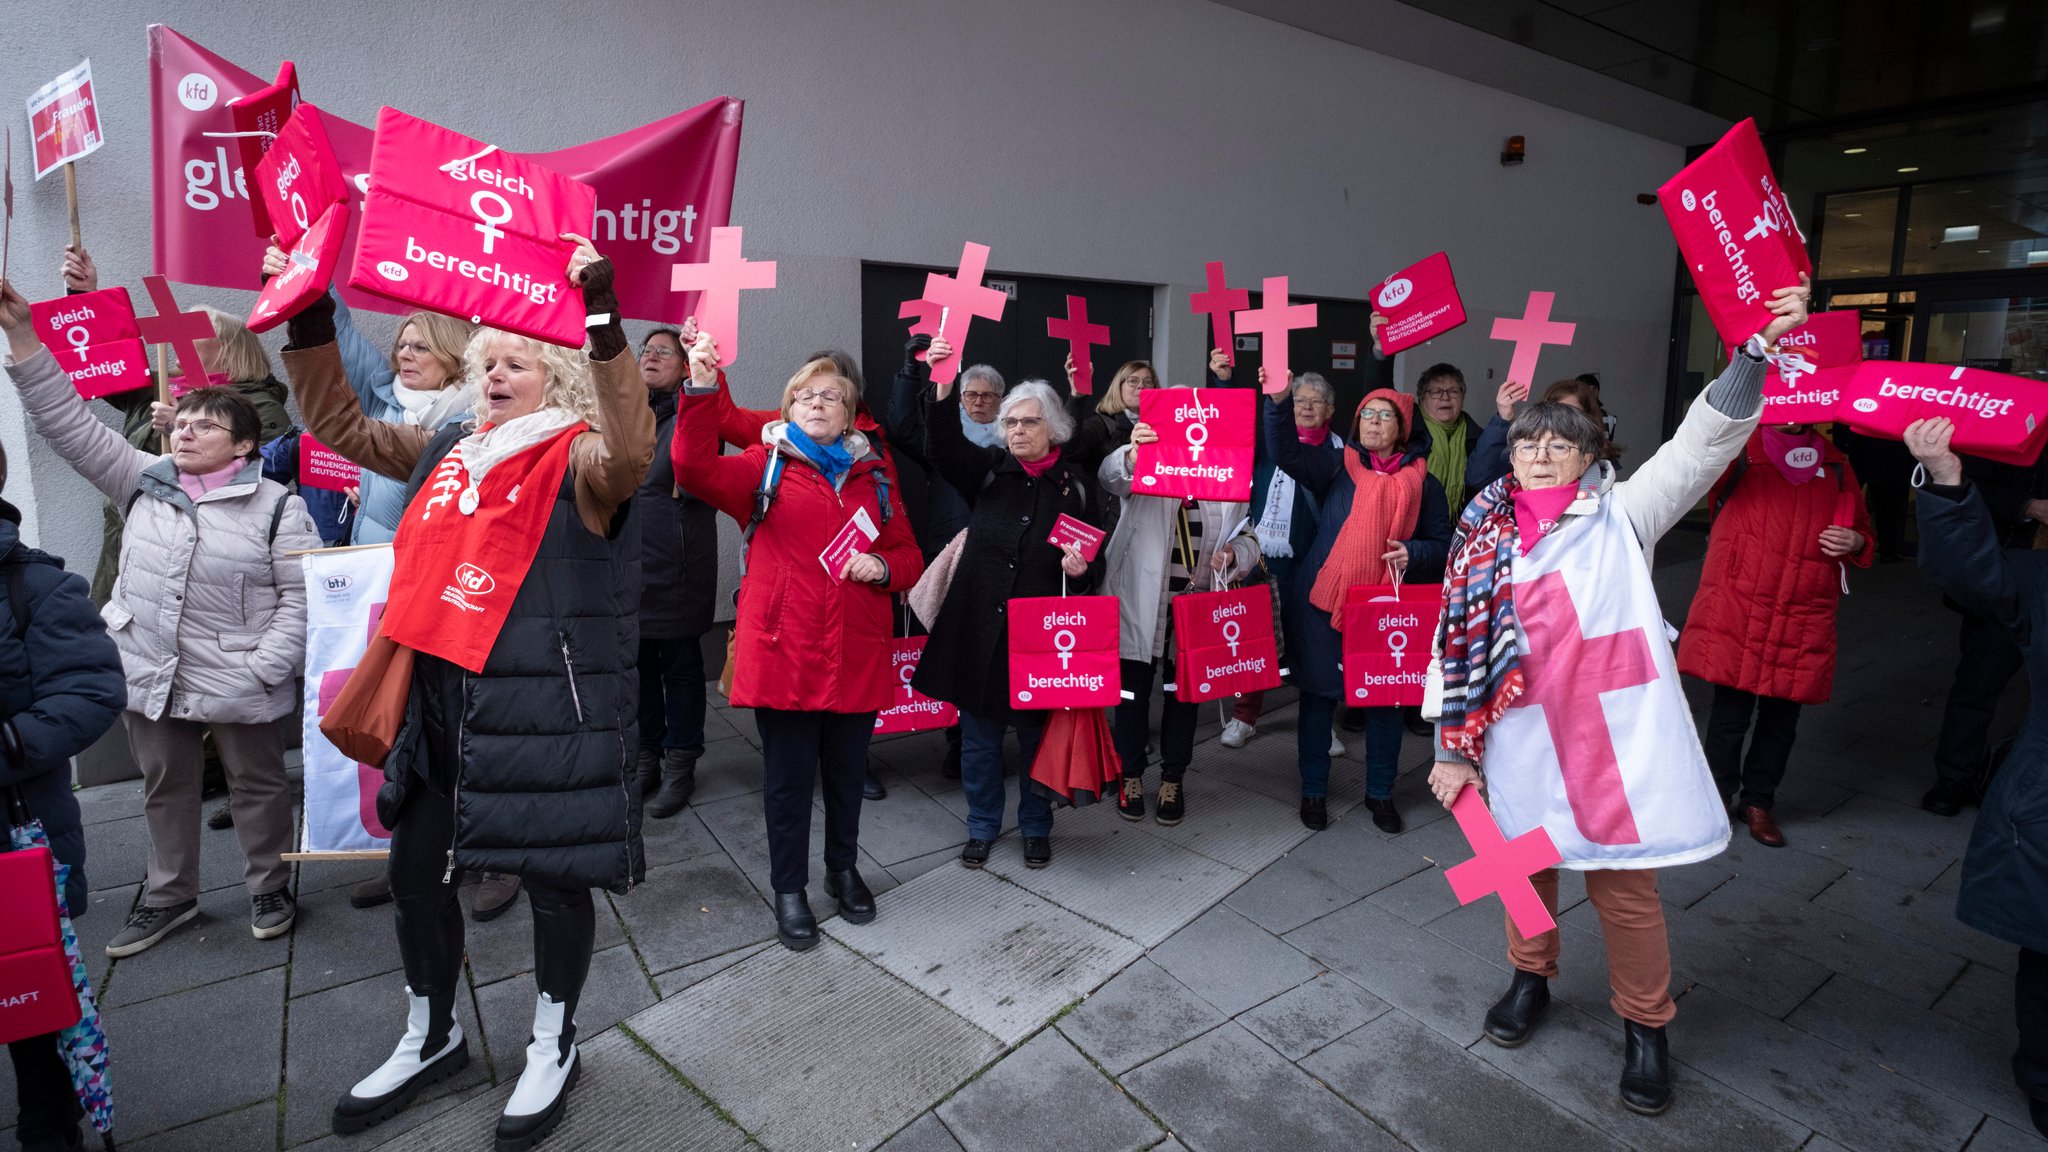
{"x": 609, "y": 461}
{"x": 333, "y": 412}
{"x": 727, "y": 483}
{"x": 906, "y": 404}
{"x": 93, "y": 450}
{"x": 957, "y": 460}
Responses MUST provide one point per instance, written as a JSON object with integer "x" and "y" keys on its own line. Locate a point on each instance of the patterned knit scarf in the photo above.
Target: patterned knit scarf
{"x": 1478, "y": 635}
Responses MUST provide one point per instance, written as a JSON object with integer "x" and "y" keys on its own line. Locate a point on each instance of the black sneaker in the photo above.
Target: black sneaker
{"x": 975, "y": 854}
{"x": 1315, "y": 812}
{"x": 221, "y": 818}
{"x": 1130, "y": 799}
{"x": 271, "y": 914}
{"x": 1946, "y": 798}
{"x": 1385, "y": 816}
{"x": 1172, "y": 803}
{"x": 1037, "y": 851}
{"x": 148, "y": 925}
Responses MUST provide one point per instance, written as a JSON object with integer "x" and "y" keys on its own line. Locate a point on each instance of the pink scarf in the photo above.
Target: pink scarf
{"x": 1384, "y": 506}
{"x": 1040, "y": 466}
{"x": 1796, "y": 455}
{"x": 199, "y": 485}
{"x": 1537, "y": 511}
{"x": 1316, "y": 436}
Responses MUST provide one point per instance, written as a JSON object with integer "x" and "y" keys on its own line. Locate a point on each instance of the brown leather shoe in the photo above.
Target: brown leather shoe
{"x": 495, "y": 892}
{"x": 1762, "y": 828}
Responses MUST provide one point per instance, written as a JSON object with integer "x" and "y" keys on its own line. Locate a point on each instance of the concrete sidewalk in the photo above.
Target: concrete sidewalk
{"x": 1232, "y": 982}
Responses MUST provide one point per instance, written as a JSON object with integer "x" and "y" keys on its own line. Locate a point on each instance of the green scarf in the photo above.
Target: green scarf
{"x": 1447, "y": 459}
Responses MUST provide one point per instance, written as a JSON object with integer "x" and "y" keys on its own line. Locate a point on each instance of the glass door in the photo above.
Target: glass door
{"x": 2004, "y": 334}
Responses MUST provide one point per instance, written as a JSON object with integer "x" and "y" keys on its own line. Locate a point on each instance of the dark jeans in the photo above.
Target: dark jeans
{"x": 672, "y": 693}
{"x": 798, "y": 748}
{"x": 430, "y": 920}
{"x": 1989, "y": 659}
{"x": 1758, "y": 775}
{"x": 981, "y": 775}
{"x": 2030, "y": 1006}
{"x": 1312, "y": 746}
{"x": 1134, "y": 725}
{"x": 42, "y": 1089}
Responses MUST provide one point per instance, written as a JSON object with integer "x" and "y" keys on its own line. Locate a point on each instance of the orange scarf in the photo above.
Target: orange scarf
{"x": 1383, "y": 507}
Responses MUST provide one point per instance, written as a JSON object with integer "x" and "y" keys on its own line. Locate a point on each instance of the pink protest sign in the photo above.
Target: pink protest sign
{"x": 1218, "y": 303}
{"x": 1502, "y": 866}
{"x": 854, "y": 538}
{"x": 924, "y": 318}
{"x": 1530, "y": 333}
{"x": 1804, "y": 383}
{"x": 910, "y": 710}
{"x": 1735, "y": 232}
{"x": 259, "y": 117}
{"x": 721, "y": 279}
{"x": 1087, "y": 537}
{"x": 183, "y": 384}
{"x": 308, "y": 270}
{"x": 1225, "y": 645}
{"x": 1204, "y": 450}
{"x": 1080, "y": 335}
{"x": 1420, "y": 303}
{"x": 1063, "y": 652}
{"x": 960, "y": 298}
{"x": 1273, "y": 319}
{"x": 95, "y": 340}
{"x": 181, "y": 330}
{"x": 455, "y": 226}
{"x": 1387, "y": 631}
{"x": 64, "y": 120}
{"x": 1997, "y": 417}
{"x": 299, "y": 177}
{"x": 323, "y": 467}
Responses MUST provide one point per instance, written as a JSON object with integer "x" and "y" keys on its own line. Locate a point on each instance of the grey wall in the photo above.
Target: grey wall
{"x": 1129, "y": 140}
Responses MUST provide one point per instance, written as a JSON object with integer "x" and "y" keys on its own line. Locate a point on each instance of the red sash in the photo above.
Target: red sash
{"x": 454, "y": 576}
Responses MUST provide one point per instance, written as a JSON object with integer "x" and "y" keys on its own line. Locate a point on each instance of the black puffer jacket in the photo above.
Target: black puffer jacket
{"x": 678, "y": 542}
{"x": 538, "y": 746}
{"x": 1007, "y": 554}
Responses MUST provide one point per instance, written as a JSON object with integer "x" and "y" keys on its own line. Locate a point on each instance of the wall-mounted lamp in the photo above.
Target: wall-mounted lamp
{"x": 1513, "y": 152}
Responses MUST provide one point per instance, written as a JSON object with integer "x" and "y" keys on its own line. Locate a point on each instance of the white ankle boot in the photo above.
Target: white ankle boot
{"x": 552, "y": 1065}
{"x": 386, "y": 1092}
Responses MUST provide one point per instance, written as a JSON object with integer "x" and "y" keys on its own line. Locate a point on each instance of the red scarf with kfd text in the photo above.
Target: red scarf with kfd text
{"x": 458, "y": 563}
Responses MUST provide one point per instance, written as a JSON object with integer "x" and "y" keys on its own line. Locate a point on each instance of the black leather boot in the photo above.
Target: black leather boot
{"x": 794, "y": 924}
{"x": 856, "y": 903}
{"x": 678, "y": 780}
{"x": 648, "y": 768}
{"x": 1515, "y": 1015}
{"x": 1645, "y": 1070}
{"x": 1315, "y": 812}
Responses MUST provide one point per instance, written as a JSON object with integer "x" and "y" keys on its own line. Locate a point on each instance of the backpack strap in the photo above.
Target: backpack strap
{"x": 17, "y": 598}
{"x": 764, "y": 498}
{"x": 1728, "y": 489}
{"x": 276, "y": 515}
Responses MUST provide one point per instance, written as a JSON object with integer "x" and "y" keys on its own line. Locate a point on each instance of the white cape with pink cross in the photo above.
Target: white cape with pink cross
{"x": 1600, "y": 751}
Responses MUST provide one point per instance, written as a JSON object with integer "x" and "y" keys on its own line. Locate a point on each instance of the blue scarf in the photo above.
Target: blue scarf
{"x": 832, "y": 459}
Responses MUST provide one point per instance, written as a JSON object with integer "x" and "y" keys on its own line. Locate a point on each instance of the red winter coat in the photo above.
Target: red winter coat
{"x": 1764, "y": 618}
{"x": 807, "y": 641}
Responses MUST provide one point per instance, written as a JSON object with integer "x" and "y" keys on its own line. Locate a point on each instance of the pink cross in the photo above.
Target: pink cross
{"x": 1079, "y": 335}
{"x": 369, "y": 777}
{"x": 1217, "y": 303}
{"x": 1502, "y": 865}
{"x": 1530, "y": 334}
{"x": 1567, "y": 671}
{"x": 924, "y": 316}
{"x": 721, "y": 279}
{"x": 182, "y": 330}
{"x": 960, "y": 298}
{"x": 1273, "y": 319}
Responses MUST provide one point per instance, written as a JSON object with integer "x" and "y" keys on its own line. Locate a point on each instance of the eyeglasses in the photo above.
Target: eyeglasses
{"x": 1548, "y": 450}
{"x": 658, "y": 351}
{"x": 195, "y": 427}
{"x": 1310, "y": 403}
{"x": 1378, "y": 415}
{"x": 980, "y": 396}
{"x": 1012, "y": 423}
{"x": 1435, "y": 393}
{"x": 821, "y": 396}
{"x": 415, "y": 347}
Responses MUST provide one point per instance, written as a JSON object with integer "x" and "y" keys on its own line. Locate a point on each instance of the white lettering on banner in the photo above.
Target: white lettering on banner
{"x": 1219, "y": 472}
{"x": 19, "y": 999}
{"x": 1409, "y": 324}
{"x": 496, "y": 179}
{"x": 1064, "y": 641}
{"x": 492, "y": 274}
{"x": 446, "y": 483}
{"x": 1222, "y": 611}
{"x": 1240, "y": 668}
{"x": 1092, "y": 681}
{"x": 200, "y": 191}
{"x": 1196, "y": 412}
{"x": 104, "y": 368}
{"x": 71, "y": 316}
{"x": 1821, "y": 398}
{"x": 1983, "y": 404}
{"x": 1066, "y": 620}
{"x": 1411, "y": 621}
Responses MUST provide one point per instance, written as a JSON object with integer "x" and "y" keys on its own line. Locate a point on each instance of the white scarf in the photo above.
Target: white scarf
{"x": 481, "y": 451}
{"x": 989, "y": 435}
{"x": 1276, "y": 523}
{"x": 430, "y": 410}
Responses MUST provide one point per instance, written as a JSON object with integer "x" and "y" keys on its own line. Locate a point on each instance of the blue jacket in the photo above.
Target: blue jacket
{"x": 333, "y": 515}
{"x": 61, "y": 688}
{"x": 369, "y": 372}
{"x": 1314, "y": 648}
{"x": 1487, "y": 460}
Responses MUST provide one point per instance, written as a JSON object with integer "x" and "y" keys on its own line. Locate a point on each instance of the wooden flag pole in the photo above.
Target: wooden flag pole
{"x": 71, "y": 197}
{"x": 163, "y": 374}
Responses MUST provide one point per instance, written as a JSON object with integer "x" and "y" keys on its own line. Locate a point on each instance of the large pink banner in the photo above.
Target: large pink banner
{"x": 660, "y": 187}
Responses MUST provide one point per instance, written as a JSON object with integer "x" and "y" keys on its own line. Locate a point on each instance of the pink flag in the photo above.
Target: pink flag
{"x": 94, "y": 337}
{"x": 1420, "y": 303}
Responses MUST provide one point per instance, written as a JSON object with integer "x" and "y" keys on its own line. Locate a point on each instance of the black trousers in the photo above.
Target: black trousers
{"x": 798, "y": 748}
{"x": 2030, "y": 1007}
{"x": 672, "y": 693}
{"x": 1757, "y": 775}
{"x": 1132, "y": 729}
{"x": 42, "y": 1089}
{"x": 430, "y": 920}
{"x": 1987, "y": 661}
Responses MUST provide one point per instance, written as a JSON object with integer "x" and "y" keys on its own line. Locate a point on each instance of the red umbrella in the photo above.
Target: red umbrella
{"x": 1076, "y": 759}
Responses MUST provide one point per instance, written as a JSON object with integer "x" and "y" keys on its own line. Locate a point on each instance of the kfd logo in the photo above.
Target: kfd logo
{"x": 1866, "y": 404}
{"x": 197, "y": 91}
{"x": 474, "y": 580}
{"x": 339, "y": 583}
{"x": 1803, "y": 457}
{"x": 1394, "y": 292}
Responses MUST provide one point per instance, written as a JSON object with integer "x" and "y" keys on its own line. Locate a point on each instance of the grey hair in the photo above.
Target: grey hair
{"x": 984, "y": 372}
{"x": 1314, "y": 382}
{"x": 1058, "y": 421}
{"x": 1561, "y": 421}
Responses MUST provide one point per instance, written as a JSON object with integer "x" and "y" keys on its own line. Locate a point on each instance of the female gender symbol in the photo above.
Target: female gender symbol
{"x": 904, "y": 674}
{"x": 1397, "y": 643}
{"x": 79, "y": 339}
{"x": 1230, "y": 634}
{"x": 489, "y": 227}
{"x": 1063, "y": 640}
{"x": 299, "y": 212}
{"x": 1197, "y": 435}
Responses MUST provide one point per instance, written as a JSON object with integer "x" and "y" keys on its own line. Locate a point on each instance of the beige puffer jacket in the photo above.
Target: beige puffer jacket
{"x": 209, "y": 612}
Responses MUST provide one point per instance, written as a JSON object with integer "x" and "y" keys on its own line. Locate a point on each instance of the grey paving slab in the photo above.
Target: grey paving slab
{"x": 909, "y": 870}
{"x": 504, "y": 946}
{"x": 1804, "y": 874}
{"x": 1575, "y": 1062}
{"x": 1912, "y": 1041}
{"x": 729, "y": 767}
{"x": 1226, "y": 1092}
{"x": 1136, "y": 884}
{"x": 693, "y": 911}
{"x": 678, "y": 838}
{"x": 925, "y": 1134}
{"x": 1138, "y": 1015}
{"x": 340, "y": 1035}
{"x": 1851, "y": 1100}
{"x": 1231, "y": 962}
{"x": 1982, "y": 998}
{"x": 245, "y": 1128}
{"x": 1298, "y": 1022}
{"x": 216, "y": 946}
{"x": 878, "y": 879}
{"x": 676, "y": 979}
{"x": 1268, "y": 766}
{"x": 1728, "y": 960}
{"x": 1352, "y": 854}
{"x": 1284, "y": 895}
{"x": 1925, "y": 916}
{"x": 1447, "y": 988}
{"x": 1438, "y": 1097}
{"x": 1886, "y": 838}
{"x": 623, "y": 1100}
{"x": 335, "y": 944}
{"x": 1780, "y": 922}
{"x": 104, "y": 802}
{"x": 615, "y": 990}
{"x": 1419, "y": 899}
{"x": 906, "y": 825}
{"x": 422, "y": 1112}
{"x": 818, "y": 1049}
{"x": 1023, "y": 959}
{"x": 1995, "y": 1136}
{"x": 1232, "y": 825}
{"x": 107, "y": 914}
{"x": 1005, "y": 1108}
{"x": 320, "y": 875}
{"x": 153, "y": 1041}
{"x": 117, "y": 853}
